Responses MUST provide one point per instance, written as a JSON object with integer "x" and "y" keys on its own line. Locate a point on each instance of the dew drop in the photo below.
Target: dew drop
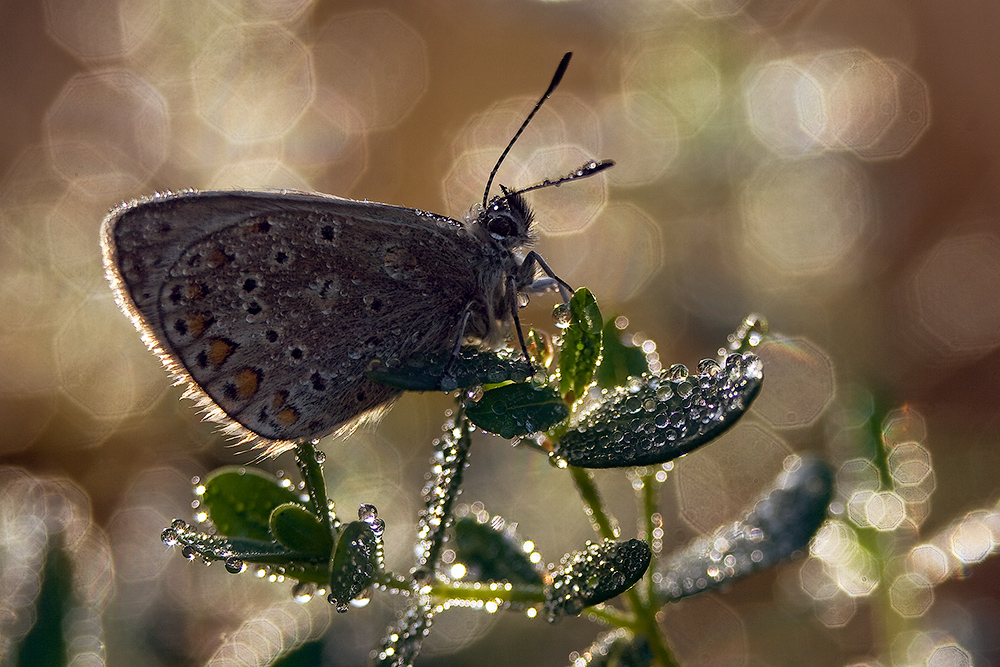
{"x": 684, "y": 389}
{"x": 561, "y": 315}
{"x": 341, "y": 607}
{"x": 235, "y": 565}
{"x": 367, "y": 513}
{"x": 448, "y": 383}
{"x": 169, "y": 537}
{"x": 320, "y": 457}
{"x": 708, "y": 367}
{"x": 360, "y": 602}
{"x": 189, "y": 552}
{"x": 303, "y": 591}
{"x": 179, "y": 524}
{"x": 677, "y": 372}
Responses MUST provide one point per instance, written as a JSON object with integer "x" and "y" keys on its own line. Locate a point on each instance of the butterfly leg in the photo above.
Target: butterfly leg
{"x": 514, "y": 306}
{"x": 527, "y": 277}
{"x": 457, "y": 346}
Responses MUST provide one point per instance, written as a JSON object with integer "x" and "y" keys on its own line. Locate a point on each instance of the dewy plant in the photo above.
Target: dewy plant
{"x": 596, "y": 403}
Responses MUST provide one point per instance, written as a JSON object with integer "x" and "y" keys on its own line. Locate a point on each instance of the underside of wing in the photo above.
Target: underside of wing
{"x": 272, "y": 305}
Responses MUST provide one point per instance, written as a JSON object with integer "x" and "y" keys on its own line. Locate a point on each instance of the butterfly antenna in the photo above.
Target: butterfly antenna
{"x": 586, "y": 170}
{"x": 556, "y": 78}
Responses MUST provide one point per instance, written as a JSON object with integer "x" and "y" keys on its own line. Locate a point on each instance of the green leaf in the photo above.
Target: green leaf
{"x": 659, "y": 418}
{"x": 298, "y": 529}
{"x": 239, "y": 501}
{"x": 581, "y": 344}
{"x": 355, "y": 562}
{"x": 620, "y": 360}
{"x": 472, "y": 367}
{"x": 598, "y": 573}
{"x": 517, "y": 409}
{"x": 779, "y": 524}
{"x": 491, "y": 555}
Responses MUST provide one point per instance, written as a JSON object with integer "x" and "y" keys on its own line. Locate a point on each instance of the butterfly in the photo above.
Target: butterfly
{"x": 271, "y": 305}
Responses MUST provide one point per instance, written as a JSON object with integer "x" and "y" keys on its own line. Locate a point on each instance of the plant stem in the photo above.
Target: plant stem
{"x": 603, "y": 523}
{"x": 644, "y": 620}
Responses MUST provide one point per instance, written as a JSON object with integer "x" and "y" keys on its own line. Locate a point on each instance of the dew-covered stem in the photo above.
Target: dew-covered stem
{"x": 603, "y": 523}
{"x": 451, "y": 455}
{"x": 481, "y": 592}
{"x": 647, "y": 497}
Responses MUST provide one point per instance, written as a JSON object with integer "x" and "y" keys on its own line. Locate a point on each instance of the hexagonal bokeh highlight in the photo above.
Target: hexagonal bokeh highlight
{"x": 809, "y": 217}
{"x": 955, "y": 288}
{"x": 93, "y": 29}
{"x": 108, "y": 131}
{"x": 637, "y": 125}
{"x": 885, "y": 511}
{"x": 785, "y": 107}
{"x": 842, "y": 99}
{"x": 374, "y": 60}
{"x": 910, "y": 464}
{"x": 623, "y": 236}
{"x": 971, "y": 539}
{"x": 929, "y": 563}
{"x": 903, "y": 425}
{"x": 800, "y": 382}
{"x": 680, "y": 77}
{"x": 717, "y": 483}
{"x": 253, "y": 81}
{"x": 910, "y": 596}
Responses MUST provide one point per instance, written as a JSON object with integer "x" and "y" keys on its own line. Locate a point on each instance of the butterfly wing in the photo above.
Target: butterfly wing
{"x": 271, "y": 305}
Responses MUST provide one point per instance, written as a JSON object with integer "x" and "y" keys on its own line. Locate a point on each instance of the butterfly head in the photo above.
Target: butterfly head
{"x": 507, "y": 219}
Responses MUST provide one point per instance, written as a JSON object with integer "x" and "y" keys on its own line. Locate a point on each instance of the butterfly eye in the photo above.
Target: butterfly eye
{"x": 500, "y": 225}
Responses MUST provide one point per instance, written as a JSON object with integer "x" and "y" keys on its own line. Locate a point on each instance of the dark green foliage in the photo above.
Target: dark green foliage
{"x": 354, "y": 564}
{"x": 239, "y": 501}
{"x": 581, "y": 345}
{"x": 619, "y": 360}
{"x": 659, "y": 418}
{"x": 598, "y": 573}
{"x": 470, "y": 368}
{"x": 299, "y": 530}
{"x": 489, "y": 555}
{"x": 515, "y": 410}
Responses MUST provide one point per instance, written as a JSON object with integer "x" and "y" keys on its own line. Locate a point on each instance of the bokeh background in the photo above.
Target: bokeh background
{"x": 830, "y": 165}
